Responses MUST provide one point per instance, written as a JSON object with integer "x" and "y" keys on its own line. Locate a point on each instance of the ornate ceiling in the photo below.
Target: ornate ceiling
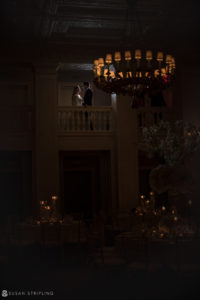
{"x": 80, "y": 29}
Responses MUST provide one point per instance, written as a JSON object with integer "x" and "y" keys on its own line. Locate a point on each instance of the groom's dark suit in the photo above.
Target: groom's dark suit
{"x": 88, "y": 97}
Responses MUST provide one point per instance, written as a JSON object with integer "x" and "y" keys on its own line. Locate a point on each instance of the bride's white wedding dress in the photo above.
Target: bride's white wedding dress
{"x": 77, "y": 100}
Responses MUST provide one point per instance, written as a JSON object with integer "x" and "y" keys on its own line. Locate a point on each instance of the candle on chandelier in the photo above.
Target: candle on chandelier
{"x": 149, "y": 55}
{"x": 168, "y": 59}
{"x": 112, "y": 74}
{"x": 96, "y": 62}
{"x": 138, "y": 54}
{"x": 105, "y": 73}
{"x": 160, "y": 56}
{"x": 127, "y": 55}
{"x": 117, "y": 56}
{"x": 163, "y": 72}
{"x": 101, "y": 62}
{"x": 108, "y": 58}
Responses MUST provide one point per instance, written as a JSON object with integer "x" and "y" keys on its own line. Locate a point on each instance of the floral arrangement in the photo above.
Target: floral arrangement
{"x": 174, "y": 144}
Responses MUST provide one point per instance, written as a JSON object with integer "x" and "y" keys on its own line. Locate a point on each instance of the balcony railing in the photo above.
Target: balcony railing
{"x": 149, "y": 116}
{"x": 85, "y": 119}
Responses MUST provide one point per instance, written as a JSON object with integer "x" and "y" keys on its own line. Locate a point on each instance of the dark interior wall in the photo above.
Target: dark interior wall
{"x": 15, "y": 184}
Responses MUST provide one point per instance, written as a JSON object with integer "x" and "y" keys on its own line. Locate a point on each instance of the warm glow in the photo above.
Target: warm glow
{"x": 149, "y": 55}
{"x": 108, "y": 58}
{"x": 147, "y": 202}
{"x": 138, "y": 54}
{"x": 101, "y": 62}
{"x": 160, "y": 56}
{"x": 112, "y": 74}
{"x": 142, "y": 196}
{"x": 156, "y": 73}
{"x": 163, "y": 208}
{"x": 127, "y": 55}
{"x": 168, "y": 59}
{"x": 129, "y": 75}
{"x": 105, "y": 72}
{"x": 190, "y": 202}
{"x": 54, "y": 197}
{"x": 163, "y": 72}
{"x": 121, "y": 74}
{"x": 175, "y": 218}
{"x": 96, "y": 62}
{"x": 98, "y": 71}
{"x": 117, "y": 56}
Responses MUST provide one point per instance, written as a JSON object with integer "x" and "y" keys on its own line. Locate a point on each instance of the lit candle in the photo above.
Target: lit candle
{"x": 147, "y": 201}
{"x": 138, "y": 54}
{"x": 127, "y": 55}
{"x": 54, "y": 197}
{"x": 160, "y": 56}
{"x": 117, "y": 56}
{"x": 108, "y": 58}
{"x": 175, "y": 218}
{"x": 168, "y": 59}
{"x": 101, "y": 62}
{"x": 96, "y": 62}
{"x": 163, "y": 208}
{"x": 149, "y": 55}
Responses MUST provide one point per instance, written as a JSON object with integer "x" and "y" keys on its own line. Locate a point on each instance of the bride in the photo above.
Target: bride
{"x": 77, "y": 100}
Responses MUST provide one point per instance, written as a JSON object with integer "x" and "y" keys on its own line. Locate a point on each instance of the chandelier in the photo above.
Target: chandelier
{"x": 125, "y": 75}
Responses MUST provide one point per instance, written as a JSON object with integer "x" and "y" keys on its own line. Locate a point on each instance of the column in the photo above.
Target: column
{"x": 127, "y": 153}
{"x": 46, "y": 153}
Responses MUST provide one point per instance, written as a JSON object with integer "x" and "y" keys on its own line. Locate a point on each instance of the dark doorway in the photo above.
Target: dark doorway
{"x": 85, "y": 182}
{"x": 77, "y": 192}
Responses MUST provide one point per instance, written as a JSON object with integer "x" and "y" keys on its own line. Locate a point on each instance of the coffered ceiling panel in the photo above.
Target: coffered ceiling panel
{"x": 101, "y": 23}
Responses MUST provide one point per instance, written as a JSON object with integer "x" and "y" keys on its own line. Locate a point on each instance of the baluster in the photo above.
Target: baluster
{"x": 78, "y": 120}
{"x": 83, "y": 120}
{"x": 100, "y": 121}
{"x": 73, "y": 120}
{"x": 94, "y": 120}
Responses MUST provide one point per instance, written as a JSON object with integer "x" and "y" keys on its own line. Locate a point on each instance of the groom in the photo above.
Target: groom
{"x": 88, "y": 94}
{"x": 87, "y": 101}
